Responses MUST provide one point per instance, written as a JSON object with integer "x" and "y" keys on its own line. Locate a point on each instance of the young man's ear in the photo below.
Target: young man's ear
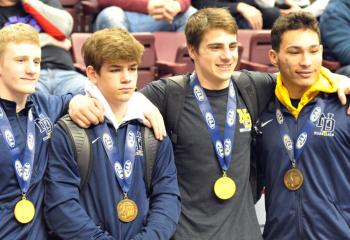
{"x": 91, "y": 74}
{"x": 273, "y": 57}
{"x": 191, "y": 51}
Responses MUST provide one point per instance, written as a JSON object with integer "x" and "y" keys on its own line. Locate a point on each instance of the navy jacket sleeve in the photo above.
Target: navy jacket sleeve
{"x": 265, "y": 84}
{"x": 54, "y": 106}
{"x": 63, "y": 212}
{"x": 165, "y": 204}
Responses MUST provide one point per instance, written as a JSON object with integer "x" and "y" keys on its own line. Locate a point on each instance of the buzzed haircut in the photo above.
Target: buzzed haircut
{"x": 18, "y": 33}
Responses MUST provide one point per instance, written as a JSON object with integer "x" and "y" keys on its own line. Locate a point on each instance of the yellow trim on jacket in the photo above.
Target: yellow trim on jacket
{"x": 327, "y": 82}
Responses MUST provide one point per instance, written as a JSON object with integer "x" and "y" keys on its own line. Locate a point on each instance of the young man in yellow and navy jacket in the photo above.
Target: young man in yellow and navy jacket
{"x": 303, "y": 140}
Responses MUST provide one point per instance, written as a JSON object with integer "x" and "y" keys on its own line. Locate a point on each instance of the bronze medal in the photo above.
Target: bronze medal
{"x": 224, "y": 187}
{"x": 127, "y": 210}
{"x": 293, "y": 179}
{"x": 24, "y": 211}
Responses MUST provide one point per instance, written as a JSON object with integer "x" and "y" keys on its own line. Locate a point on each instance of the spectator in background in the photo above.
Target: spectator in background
{"x": 248, "y": 14}
{"x": 315, "y": 7}
{"x": 335, "y": 33}
{"x": 57, "y": 75}
{"x": 145, "y": 15}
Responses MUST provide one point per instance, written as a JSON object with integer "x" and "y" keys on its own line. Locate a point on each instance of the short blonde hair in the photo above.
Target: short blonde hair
{"x": 18, "y": 33}
{"x": 109, "y": 46}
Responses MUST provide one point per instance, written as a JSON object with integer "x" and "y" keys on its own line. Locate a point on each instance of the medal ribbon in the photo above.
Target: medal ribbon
{"x": 223, "y": 146}
{"x": 295, "y": 149}
{"x": 24, "y": 167}
{"x": 123, "y": 168}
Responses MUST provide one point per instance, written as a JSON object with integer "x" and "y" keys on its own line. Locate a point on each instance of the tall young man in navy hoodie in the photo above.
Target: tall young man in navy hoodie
{"x": 114, "y": 204}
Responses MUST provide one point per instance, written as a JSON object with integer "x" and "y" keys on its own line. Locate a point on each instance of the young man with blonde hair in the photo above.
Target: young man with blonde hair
{"x": 114, "y": 204}
{"x": 55, "y": 25}
{"x": 26, "y": 123}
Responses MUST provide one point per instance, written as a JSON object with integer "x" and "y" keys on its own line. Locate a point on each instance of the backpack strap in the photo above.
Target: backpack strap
{"x": 255, "y": 101}
{"x": 257, "y": 90}
{"x": 175, "y": 97}
{"x": 81, "y": 147}
{"x": 83, "y": 150}
{"x": 247, "y": 89}
{"x": 150, "y": 147}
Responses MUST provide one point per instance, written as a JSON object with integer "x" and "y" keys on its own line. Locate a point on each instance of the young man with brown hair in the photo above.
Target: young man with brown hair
{"x": 213, "y": 170}
{"x": 303, "y": 140}
{"x": 114, "y": 204}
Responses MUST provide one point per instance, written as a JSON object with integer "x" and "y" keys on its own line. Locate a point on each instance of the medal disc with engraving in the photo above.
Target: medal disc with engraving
{"x": 293, "y": 179}
{"x": 127, "y": 210}
{"x": 24, "y": 211}
{"x": 224, "y": 188}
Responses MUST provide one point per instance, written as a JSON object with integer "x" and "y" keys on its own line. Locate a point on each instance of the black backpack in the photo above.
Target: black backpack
{"x": 83, "y": 151}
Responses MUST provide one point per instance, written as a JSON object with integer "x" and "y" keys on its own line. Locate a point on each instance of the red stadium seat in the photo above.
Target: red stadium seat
{"x": 171, "y": 51}
{"x": 331, "y": 65}
{"x": 147, "y": 68}
{"x": 78, "y": 40}
{"x": 257, "y": 44}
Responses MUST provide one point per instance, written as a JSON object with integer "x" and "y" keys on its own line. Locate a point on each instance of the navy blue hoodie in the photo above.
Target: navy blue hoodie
{"x": 46, "y": 111}
{"x": 92, "y": 213}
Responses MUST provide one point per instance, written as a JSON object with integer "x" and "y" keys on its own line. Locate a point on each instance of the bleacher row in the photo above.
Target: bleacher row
{"x": 166, "y": 54}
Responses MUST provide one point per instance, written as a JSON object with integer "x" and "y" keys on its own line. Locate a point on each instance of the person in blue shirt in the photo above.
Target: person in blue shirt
{"x": 114, "y": 204}
{"x": 26, "y": 123}
{"x": 303, "y": 140}
{"x": 336, "y": 39}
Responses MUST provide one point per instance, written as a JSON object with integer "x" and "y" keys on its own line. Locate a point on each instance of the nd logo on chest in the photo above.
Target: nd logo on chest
{"x": 325, "y": 125}
{"x": 44, "y": 125}
{"x": 325, "y": 122}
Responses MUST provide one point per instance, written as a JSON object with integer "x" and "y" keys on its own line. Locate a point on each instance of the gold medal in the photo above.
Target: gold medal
{"x": 224, "y": 187}
{"x": 127, "y": 210}
{"x": 24, "y": 211}
{"x": 293, "y": 179}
